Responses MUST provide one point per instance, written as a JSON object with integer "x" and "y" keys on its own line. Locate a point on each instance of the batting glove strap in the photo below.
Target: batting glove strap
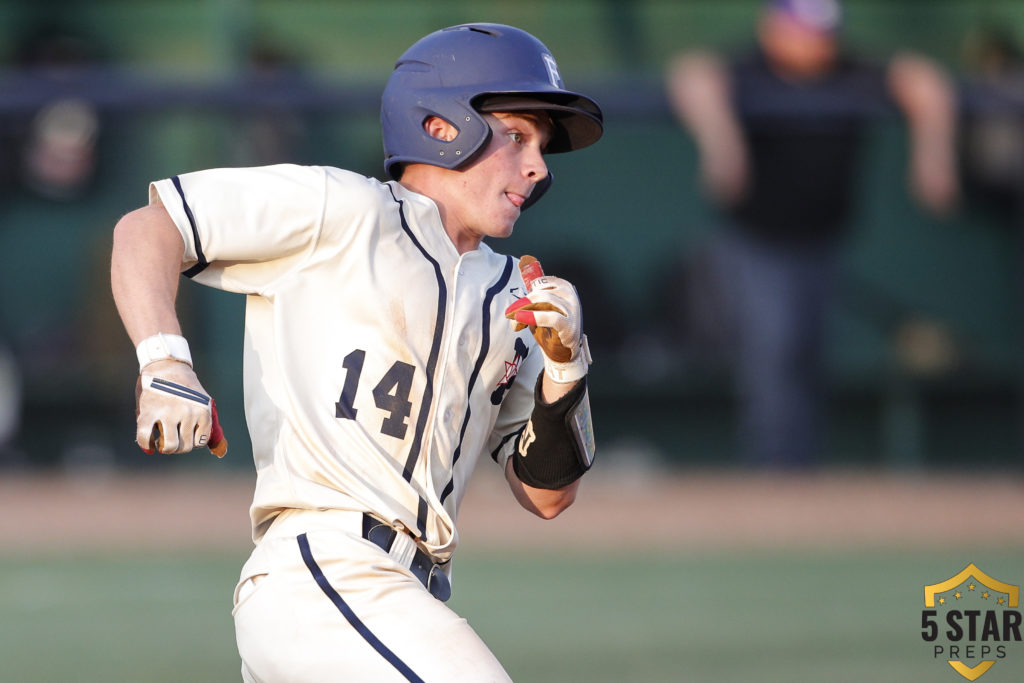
{"x": 174, "y": 389}
{"x": 173, "y": 414}
{"x": 163, "y": 347}
{"x": 573, "y": 370}
{"x": 557, "y": 446}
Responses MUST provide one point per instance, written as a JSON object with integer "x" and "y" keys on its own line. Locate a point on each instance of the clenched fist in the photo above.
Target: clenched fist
{"x": 174, "y": 414}
{"x": 552, "y": 311}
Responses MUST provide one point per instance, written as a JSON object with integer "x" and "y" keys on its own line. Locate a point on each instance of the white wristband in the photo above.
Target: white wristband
{"x": 162, "y": 347}
{"x": 571, "y": 370}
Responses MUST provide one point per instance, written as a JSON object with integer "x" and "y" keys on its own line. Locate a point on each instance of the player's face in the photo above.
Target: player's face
{"x": 489, "y": 193}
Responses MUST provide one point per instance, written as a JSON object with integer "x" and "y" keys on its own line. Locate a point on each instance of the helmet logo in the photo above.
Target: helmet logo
{"x": 553, "y": 75}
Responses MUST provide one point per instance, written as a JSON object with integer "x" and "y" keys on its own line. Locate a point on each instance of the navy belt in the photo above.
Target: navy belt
{"x": 415, "y": 560}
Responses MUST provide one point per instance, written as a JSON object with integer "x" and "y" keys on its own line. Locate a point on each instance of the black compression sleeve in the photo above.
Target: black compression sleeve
{"x": 548, "y": 454}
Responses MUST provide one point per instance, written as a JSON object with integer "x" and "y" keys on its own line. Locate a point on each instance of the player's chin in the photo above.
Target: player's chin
{"x": 503, "y": 224}
{"x": 504, "y": 228}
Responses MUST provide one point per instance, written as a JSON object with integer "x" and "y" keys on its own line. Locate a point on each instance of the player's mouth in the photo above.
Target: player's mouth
{"x": 517, "y": 199}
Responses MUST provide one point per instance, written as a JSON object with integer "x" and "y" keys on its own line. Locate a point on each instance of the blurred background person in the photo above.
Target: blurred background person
{"x": 992, "y": 128}
{"x": 48, "y": 152}
{"x": 778, "y": 129}
{"x": 59, "y": 147}
{"x": 992, "y": 140}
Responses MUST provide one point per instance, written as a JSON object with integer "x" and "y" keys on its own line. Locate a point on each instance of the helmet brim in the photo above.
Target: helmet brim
{"x": 577, "y": 119}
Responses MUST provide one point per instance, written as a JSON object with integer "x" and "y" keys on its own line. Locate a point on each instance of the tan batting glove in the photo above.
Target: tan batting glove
{"x": 552, "y": 311}
{"x": 174, "y": 414}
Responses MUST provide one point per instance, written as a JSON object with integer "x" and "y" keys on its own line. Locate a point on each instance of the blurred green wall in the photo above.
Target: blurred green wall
{"x": 628, "y": 206}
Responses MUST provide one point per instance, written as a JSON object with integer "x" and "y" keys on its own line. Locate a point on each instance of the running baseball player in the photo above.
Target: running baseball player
{"x": 386, "y": 349}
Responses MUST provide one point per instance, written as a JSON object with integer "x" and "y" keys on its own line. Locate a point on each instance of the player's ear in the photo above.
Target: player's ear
{"x": 439, "y": 129}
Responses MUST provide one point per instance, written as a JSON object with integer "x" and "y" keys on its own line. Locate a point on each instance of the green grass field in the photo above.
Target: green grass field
{"x": 725, "y": 616}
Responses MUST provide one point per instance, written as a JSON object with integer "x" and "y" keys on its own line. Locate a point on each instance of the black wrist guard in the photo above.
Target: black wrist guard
{"x": 557, "y": 446}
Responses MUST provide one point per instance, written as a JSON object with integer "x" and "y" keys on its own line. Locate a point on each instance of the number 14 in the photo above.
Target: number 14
{"x": 391, "y": 394}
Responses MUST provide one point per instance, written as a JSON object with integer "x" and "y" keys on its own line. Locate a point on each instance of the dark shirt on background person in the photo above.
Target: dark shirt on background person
{"x": 778, "y": 134}
{"x": 803, "y": 140}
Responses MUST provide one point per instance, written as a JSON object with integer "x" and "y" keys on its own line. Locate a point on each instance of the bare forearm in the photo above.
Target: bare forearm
{"x": 545, "y": 503}
{"x": 144, "y": 272}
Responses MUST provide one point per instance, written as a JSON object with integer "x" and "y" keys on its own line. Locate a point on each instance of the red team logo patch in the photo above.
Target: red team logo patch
{"x": 511, "y": 372}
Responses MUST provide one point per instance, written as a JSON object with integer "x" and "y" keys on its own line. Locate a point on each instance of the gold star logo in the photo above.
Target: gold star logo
{"x": 970, "y": 586}
{"x": 984, "y": 596}
{"x": 942, "y": 601}
{"x": 958, "y": 595}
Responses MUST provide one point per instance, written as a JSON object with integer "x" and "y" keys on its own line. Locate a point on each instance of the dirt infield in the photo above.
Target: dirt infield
{"x": 615, "y": 511}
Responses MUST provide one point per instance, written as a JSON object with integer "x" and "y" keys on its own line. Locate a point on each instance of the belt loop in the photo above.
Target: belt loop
{"x": 403, "y": 549}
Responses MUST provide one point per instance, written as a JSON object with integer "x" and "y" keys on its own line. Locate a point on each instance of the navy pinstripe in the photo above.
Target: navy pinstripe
{"x": 485, "y": 345}
{"x": 505, "y": 440}
{"x": 435, "y": 351}
{"x": 350, "y": 616}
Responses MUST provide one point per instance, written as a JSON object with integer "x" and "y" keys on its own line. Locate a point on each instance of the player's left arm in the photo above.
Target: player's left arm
{"x": 556, "y": 447}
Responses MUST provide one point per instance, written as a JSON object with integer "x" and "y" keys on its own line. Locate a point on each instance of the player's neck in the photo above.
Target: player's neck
{"x": 423, "y": 184}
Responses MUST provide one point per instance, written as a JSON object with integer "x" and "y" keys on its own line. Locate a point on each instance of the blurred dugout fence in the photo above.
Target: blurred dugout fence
{"x": 924, "y": 348}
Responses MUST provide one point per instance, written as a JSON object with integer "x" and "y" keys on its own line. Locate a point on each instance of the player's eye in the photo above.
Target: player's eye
{"x": 517, "y": 138}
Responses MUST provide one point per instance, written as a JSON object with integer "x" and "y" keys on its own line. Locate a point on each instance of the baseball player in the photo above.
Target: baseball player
{"x": 386, "y": 349}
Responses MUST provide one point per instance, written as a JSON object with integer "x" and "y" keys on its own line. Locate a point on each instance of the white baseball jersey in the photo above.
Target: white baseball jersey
{"x": 378, "y": 364}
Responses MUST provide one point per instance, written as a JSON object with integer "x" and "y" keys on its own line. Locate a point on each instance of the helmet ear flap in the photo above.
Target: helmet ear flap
{"x": 472, "y": 133}
{"x": 405, "y": 113}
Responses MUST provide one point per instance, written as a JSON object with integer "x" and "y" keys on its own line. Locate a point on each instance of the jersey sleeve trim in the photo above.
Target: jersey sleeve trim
{"x": 504, "y": 442}
{"x": 202, "y": 263}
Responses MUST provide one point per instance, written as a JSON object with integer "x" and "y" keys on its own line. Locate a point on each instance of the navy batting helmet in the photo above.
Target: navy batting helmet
{"x": 461, "y": 71}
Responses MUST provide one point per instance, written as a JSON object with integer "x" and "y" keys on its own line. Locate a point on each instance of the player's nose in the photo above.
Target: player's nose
{"x": 534, "y": 167}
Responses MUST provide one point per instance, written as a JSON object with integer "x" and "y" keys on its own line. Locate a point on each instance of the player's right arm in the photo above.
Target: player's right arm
{"x": 174, "y": 412}
{"x": 144, "y": 271}
{"x": 262, "y": 221}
